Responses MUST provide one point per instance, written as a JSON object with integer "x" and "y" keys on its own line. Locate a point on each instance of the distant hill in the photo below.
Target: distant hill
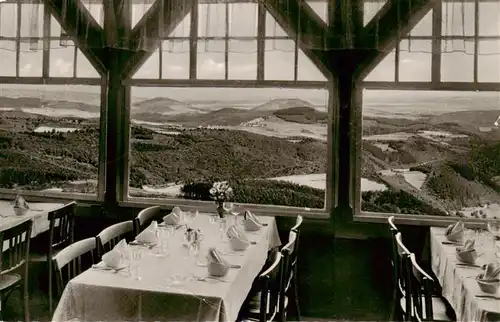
{"x": 20, "y": 102}
{"x": 281, "y": 103}
{"x": 302, "y": 114}
{"x": 162, "y": 105}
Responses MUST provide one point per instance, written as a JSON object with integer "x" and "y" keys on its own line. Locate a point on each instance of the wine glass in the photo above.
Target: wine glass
{"x": 136, "y": 258}
{"x": 229, "y": 208}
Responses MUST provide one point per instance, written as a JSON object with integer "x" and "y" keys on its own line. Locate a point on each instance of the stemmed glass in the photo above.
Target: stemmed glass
{"x": 229, "y": 208}
{"x": 136, "y": 258}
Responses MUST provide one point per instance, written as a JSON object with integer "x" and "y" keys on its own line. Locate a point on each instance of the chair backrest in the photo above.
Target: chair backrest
{"x": 421, "y": 287}
{"x": 110, "y": 236}
{"x": 298, "y": 223}
{"x": 145, "y": 217}
{"x": 62, "y": 221}
{"x": 403, "y": 278}
{"x": 270, "y": 280}
{"x": 15, "y": 242}
{"x": 73, "y": 260}
{"x": 289, "y": 252}
{"x": 393, "y": 230}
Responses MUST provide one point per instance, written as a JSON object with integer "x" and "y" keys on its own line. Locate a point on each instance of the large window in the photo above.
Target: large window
{"x": 49, "y": 138}
{"x": 50, "y": 134}
{"x": 436, "y": 152}
{"x": 431, "y": 153}
{"x": 270, "y": 143}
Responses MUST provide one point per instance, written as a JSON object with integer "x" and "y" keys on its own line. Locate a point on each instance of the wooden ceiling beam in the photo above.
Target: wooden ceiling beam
{"x": 161, "y": 18}
{"x": 300, "y": 22}
{"x": 79, "y": 24}
{"x": 394, "y": 20}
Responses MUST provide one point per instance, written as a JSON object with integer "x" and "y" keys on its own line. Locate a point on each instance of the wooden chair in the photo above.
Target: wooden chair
{"x": 294, "y": 294}
{"x": 61, "y": 234}
{"x": 144, "y": 218}
{"x": 402, "y": 281}
{"x": 110, "y": 236}
{"x": 269, "y": 282}
{"x": 424, "y": 306}
{"x": 397, "y": 291}
{"x": 289, "y": 253}
{"x": 14, "y": 255}
{"x": 72, "y": 261}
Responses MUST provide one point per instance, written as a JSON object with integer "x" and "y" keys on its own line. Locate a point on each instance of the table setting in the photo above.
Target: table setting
{"x": 467, "y": 265}
{"x": 204, "y": 259}
{"x": 18, "y": 210}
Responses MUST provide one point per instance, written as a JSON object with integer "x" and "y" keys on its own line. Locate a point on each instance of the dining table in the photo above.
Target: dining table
{"x": 458, "y": 280}
{"x": 38, "y": 212}
{"x": 166, "y": 282}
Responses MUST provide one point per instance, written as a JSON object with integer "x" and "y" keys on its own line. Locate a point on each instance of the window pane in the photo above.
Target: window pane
{"x": 424, "y": 26}
{"x": 489, "y": 18}
{"x": 273, "y": 143}
{"x": 151, "y": 68}
{"x": 320, "y": 8}
{"x": 458, "y": 18}
{"x": 31, "y": 20}
{"x": 61, "y": 59}
{"x": 384, "y": 71}
{"x": 53, "y": 145}
{"x": 279, "y": 60}
{"x": 488, "y": 62}
{"x": 30, "y": 61}
{"x": 415, "y": 60}
{"x": 7, "y": 58}
{"x": 307, "y": 71}
{"x": 175, "y": 60}
{"x": 211, "y": 20}
{"x": 430, "y": 153}
{"x": 243, "y": 20}
{"x": 8, "y": 19}
{"x": 457, "y": 61}
{"x": 370, "y": 9}
{"x": 273, "y": 29}
{"x": 211, "y": 59}
{"x": 83, "y": 67}
{"x": 242, "y": 59}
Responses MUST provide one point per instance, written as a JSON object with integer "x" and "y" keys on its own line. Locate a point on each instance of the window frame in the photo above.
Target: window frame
{"x": 209, "y": 206}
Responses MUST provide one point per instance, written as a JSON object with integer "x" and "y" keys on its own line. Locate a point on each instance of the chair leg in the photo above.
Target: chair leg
{"x": 49, "y": 260}
{"x": 25, "y": 303}
{"x": 296, "y": 298}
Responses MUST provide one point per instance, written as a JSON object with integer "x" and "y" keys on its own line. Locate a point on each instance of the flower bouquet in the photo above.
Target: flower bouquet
{"x": 220, "y": 192}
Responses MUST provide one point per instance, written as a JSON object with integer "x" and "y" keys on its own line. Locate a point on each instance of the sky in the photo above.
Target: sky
{"x": 415, "y": 57}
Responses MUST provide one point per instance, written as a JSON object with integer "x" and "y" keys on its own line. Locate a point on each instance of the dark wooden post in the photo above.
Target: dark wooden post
{"x": 117, "y": 28}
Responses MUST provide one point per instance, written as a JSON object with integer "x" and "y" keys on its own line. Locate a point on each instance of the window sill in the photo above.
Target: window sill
{"x": 46, "y": 196}
{"x": 208, "y": 206}
{"x": 416, "y": 220}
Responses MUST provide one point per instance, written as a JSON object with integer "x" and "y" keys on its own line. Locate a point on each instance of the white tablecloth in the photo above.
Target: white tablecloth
{"x": 39, "y": 215}
{"x": 458, "y": 283}
{"x": 106, "y": 296}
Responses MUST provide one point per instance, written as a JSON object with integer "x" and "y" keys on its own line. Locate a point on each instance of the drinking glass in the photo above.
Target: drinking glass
{"x": 222, "y": 228}
{"x": 136, "y": 258}
{"x": 229, "y": 208}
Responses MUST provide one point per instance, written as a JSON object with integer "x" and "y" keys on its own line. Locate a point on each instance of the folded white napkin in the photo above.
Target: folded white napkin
{"x": 124, "y": 249}
{"x": 467, "y": 253}
{"x": 251, "y": 222}
{"x": 237, "y": 239}
{"x": 20, "y": 202}
{"x": 113, "y": 258}
{"x": 491, "y": 272}
{"x": 217, "y": 266}
{"x": 148, "y": 235}
{"x": 455, "y": 232}
{"x": 175, "y": 217}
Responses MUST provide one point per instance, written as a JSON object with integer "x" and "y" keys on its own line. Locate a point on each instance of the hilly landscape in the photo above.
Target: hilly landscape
{"x": 431, "y": 164}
